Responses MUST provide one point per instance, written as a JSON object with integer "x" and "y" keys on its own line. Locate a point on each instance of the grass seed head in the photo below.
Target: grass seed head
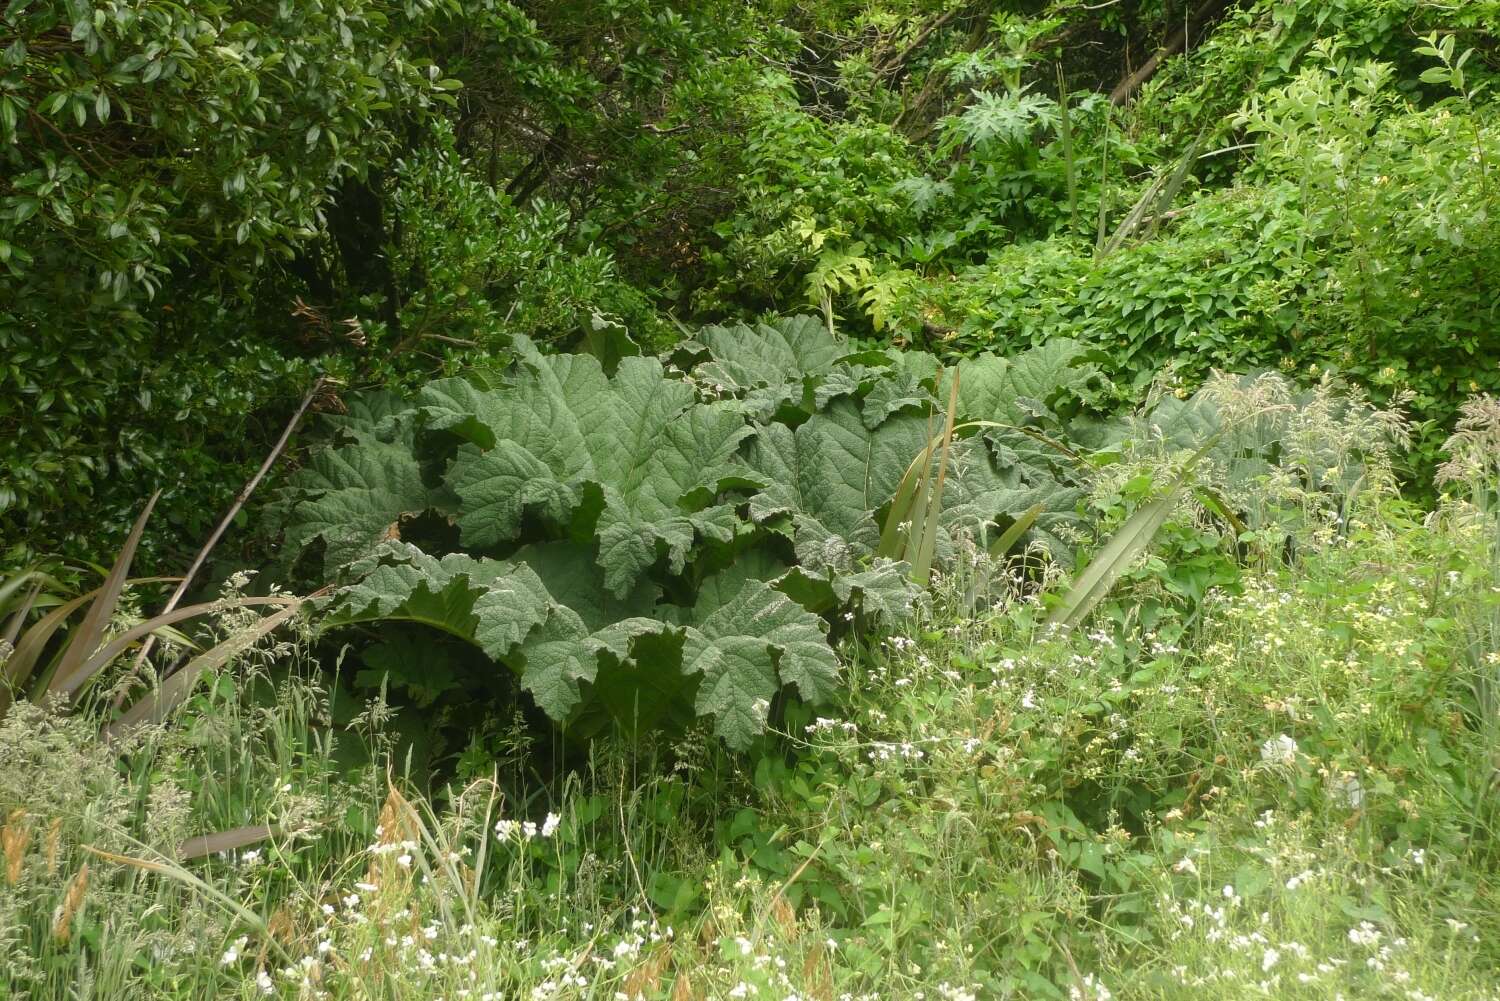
{"x": 786, "y": 918}
{"x": 53, "y": 842}
{"x": 817, "y": 976}
{"x": 644, "y": 978}
{"x": 682, "y": 989}
{"x": 72, "y": 903}
{"x": 15, "y": 837}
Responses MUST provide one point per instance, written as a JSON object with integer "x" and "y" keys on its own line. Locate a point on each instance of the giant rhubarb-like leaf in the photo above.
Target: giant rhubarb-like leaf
{"x": 607, "y": 491}
{"x": 831, "y": 475}
{"x": 491, "y": 603}
{"x": 1013, "y": 390}
{"x": 746, "y": 640}
{"x": 354, "y": 496}
{"x": 655, "y": 457}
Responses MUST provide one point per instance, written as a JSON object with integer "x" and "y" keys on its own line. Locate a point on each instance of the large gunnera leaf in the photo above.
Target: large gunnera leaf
{"x": 493, "y": 604}
{"x": 830, "y": 476}
{"x": 746, "y": 640}
{"x": 787, "y": 349}
{"x": 353, "y": 497}
{"x": 656, "y": 459}
{"x": 740, "y": 642}
{"x": 793, "y": 362}
{"x": 1018, "y": 389}
{"x": 612, "y": 495}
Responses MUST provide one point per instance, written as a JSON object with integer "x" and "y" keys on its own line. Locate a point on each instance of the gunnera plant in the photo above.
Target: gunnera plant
{"x": 648, "y": 540}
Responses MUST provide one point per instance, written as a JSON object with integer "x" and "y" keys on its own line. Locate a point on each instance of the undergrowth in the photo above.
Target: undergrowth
{"x": 1287, "y": 792}
{"x": 619, "y": 634}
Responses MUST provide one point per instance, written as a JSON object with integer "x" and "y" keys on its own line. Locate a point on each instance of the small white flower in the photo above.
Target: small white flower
{"x": 1090, "y": 989}
{"x": 1279, "y": 750}
{"x": 1299, "y": 879}
{"x": 549, "y": 825}
{"x": 233, "y": 952}
{"x": 404, "y": 861}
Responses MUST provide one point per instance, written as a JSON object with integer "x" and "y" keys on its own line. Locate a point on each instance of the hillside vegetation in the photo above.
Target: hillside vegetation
{"x": 800, "y": 501}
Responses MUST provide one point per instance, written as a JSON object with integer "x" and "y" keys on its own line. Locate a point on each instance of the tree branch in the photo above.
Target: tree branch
{"x": 1175, "y": 42}
{"x": 887, "y": 66}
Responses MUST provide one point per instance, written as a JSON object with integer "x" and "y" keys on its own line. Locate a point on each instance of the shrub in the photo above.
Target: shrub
{"x": 146, "y": 146}
{"x": 662, "y": 541}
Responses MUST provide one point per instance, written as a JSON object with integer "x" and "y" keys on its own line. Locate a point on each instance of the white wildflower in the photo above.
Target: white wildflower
{"x": 1279, "y": 750}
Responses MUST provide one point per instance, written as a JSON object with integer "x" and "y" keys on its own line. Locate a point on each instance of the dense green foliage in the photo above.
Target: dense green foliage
{"x": 631, "y": 533}
{"x": 1285, "y": 790}
{"x": 793, "y": 500}
{"x": 204, "y": 208}
{"x": 157, "y": 158}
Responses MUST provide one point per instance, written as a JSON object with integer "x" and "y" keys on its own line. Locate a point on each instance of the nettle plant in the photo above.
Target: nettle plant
{"x": 649, "y": 540}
